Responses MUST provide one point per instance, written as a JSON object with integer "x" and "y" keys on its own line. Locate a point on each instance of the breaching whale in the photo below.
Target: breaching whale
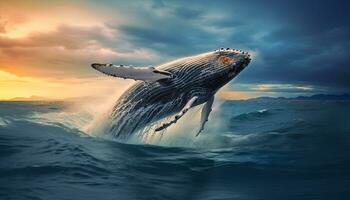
{"x": 171, "y": 89}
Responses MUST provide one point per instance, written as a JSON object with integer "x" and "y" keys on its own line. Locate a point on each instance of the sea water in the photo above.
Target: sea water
{"x": 250, "y": 149}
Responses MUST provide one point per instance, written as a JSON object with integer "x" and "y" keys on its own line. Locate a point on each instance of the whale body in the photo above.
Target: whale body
{"x": 169, "y": 90}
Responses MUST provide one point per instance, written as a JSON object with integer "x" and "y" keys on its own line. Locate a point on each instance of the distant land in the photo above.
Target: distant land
{"x": 40, "y": 98}
{"x": 31, "y": 98}
{"x": 344, "y": 96}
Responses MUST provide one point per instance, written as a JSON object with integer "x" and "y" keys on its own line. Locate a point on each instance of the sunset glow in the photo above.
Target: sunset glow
{"x": 12, "y": 86}
{"x": 44, "y": 45}
{"x": 38, "y": 59}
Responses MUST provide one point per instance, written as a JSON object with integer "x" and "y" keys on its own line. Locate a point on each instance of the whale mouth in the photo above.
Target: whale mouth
{"x": 247, "y": 61}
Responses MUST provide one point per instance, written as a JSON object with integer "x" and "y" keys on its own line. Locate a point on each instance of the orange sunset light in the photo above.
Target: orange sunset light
{"x": 34, "y": 61}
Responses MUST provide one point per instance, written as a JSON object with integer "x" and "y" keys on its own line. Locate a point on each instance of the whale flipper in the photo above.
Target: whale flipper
{"x": 136, "y": 73}
{"x": 205, "y": 114}
{"x": 179, "y": 115}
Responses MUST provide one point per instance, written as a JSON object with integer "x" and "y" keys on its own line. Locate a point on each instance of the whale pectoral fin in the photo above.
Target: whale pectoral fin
{"x": 179, "y": 115}
{"x": 136, "y": 73}
{"x": 207, "y": 108}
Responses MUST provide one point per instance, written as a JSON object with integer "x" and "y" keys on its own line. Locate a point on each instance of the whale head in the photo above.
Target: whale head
{"x": 222, "y": 65}
{"x": 229, "y": 62}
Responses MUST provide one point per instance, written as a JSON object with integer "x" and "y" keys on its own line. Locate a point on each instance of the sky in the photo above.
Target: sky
{"x": 298, "y": 47}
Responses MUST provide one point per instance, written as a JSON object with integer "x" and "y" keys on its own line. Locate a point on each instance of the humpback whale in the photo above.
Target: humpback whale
{"x": 169, "y": 90}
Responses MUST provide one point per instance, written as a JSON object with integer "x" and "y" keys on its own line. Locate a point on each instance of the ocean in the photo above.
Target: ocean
{"x": 250, "y": 149}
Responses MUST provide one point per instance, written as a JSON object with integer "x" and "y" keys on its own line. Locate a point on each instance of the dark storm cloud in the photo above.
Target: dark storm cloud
{"x": 172, "y": 42}
{"x": 296, "y": 42}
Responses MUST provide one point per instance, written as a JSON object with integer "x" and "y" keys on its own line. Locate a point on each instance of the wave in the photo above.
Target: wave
{"x": 4, "y": 122}
{"x": 295, "y": 126}
{"x": 255, "y": 115}
{"x": 297, "y": 147}
{"x": 182, "y": 134}
{"x": 62, "y": 119}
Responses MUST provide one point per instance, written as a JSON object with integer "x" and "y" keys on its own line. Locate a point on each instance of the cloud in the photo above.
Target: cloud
{"x": 69, "y": 37}
{"x": 66, "y": 51}
{"x": 61, "y": 40}
{"x": 3, "y": 27}
{"x": 10, "y": 21}
{"x": 295, "y": 43}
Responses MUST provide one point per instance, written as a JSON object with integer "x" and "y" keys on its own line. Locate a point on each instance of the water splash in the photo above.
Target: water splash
{"x": 4, "y": 122}
{"x": 96, "y": 121}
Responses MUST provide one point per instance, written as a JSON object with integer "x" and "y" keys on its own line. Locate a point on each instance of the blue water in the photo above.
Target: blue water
{"x": 256, "y": 149}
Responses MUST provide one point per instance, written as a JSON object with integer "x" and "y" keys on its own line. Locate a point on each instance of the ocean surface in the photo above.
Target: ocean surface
{"x": 253, "y": 149}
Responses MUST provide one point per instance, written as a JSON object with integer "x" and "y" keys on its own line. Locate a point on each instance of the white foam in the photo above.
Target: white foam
{"x": 4, "y": 122}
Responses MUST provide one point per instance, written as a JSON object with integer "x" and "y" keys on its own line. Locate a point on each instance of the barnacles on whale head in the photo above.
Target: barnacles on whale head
{"x": 232, "y": 50}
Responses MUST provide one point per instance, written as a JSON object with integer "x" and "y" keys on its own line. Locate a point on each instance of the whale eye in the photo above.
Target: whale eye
{"x": 225, "y": 60}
